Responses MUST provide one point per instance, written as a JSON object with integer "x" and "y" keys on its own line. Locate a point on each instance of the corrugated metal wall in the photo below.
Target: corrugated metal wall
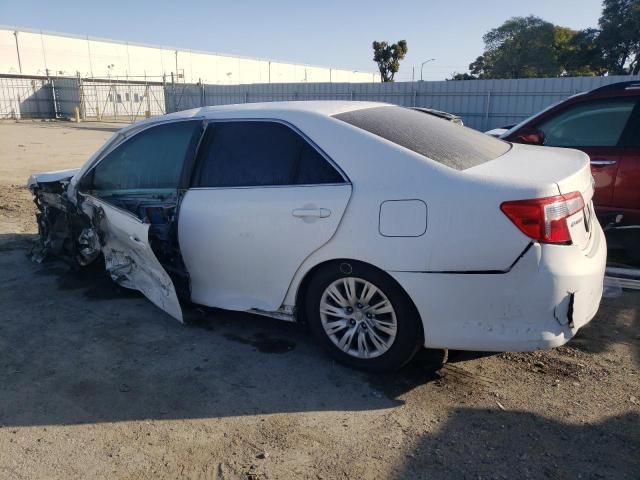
{"x": 483, "y": 104}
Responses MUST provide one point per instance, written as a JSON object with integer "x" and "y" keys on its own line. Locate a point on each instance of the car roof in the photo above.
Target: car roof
{"x": 267, "y": 109}
{"x": 618, "y": 87}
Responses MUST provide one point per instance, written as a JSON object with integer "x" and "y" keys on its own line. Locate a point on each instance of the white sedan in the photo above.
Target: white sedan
{"x": 383, "y": 228}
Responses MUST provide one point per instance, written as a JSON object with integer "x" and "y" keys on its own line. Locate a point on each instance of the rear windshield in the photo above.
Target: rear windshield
{"x": 440, "y": 140}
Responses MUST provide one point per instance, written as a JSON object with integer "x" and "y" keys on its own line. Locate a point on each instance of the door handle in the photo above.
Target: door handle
{"x": 311, "y": 212}
{"x": 136, "y": 240}
{"x": 602, "y": 162}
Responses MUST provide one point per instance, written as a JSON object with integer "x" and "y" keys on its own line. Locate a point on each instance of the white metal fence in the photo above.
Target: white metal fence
{"x": 483, "y": 104}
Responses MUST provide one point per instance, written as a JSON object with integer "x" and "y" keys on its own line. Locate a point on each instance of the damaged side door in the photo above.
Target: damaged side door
{"x": 131, "y": 198}
{"x": 128, "y": 256}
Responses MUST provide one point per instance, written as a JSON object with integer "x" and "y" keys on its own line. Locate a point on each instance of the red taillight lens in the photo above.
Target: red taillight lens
{"x": 544, "y": 219}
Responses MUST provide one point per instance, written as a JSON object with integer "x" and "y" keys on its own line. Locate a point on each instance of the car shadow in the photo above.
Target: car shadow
{"x": 488, "y": 443}
{"x": 77, "y": 348}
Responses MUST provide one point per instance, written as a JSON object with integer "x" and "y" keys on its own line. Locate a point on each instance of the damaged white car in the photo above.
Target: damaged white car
{"x": 383, "y": 228}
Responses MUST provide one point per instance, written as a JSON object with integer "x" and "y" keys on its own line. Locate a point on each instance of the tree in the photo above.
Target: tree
{"x": 521, "y": 47}
{"x": 478, "y": 67}
{"x": 388, "y": 58}
{"x": 531, "y": 47}
{"x": 619, "y": 37}
{"x": 582, "y": 54}
{"x": 462, "y": 76}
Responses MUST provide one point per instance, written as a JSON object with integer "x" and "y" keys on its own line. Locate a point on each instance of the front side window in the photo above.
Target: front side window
{"x": 258, "y": 153}
{"x": 598, "y": 123}
{"x": 150, "y": 160}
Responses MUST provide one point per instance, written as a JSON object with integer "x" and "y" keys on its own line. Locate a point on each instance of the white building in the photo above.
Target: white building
{"x": 34, "y": 52}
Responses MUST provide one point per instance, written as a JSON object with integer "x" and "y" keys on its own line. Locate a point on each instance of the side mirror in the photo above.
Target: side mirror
{"x": 530, "y": 136}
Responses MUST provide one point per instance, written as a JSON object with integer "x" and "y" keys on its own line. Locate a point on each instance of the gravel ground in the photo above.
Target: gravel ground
{"x": 96, "y": 382}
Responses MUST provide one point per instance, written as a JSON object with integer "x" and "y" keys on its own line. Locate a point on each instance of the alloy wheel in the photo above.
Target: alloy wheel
{"x": 358, "y": 317}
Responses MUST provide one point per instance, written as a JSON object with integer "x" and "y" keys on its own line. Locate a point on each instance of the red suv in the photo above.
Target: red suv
{"x": 605, "y": 124}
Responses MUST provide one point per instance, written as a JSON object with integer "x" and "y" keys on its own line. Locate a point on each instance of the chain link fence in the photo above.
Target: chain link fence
{"x": 109, "y": 100}
{"x": 113, "y": 100}
{"x": 26, "y": 97}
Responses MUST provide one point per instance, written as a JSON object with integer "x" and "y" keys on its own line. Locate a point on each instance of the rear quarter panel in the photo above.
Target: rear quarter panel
{"x": 465, "y": 228}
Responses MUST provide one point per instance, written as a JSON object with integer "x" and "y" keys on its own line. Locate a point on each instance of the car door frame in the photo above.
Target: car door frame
{"x": 188, "y": 178}
{"x": 625, "y": 197}
{"x": 121, "y": 230}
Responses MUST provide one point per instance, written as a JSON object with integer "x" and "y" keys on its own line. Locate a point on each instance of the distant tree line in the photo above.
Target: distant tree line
{"x": 531, "y": 47}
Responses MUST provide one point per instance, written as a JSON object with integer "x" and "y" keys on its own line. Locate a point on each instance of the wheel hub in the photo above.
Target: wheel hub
{"x": 358, "y": 317}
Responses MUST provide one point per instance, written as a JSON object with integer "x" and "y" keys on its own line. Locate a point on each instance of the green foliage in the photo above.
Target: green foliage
{"x": 521, "y": 47}
{"x": 462, "y": 76}
{"x": 388, "y": 58}
{"x": 619, "y": 36}
{"x": 582, "y": 54}
{"x": 531, "y": 47}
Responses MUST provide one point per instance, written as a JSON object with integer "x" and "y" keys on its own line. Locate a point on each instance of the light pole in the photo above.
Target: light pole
{"x": 422, "y": 65}
{"x": 15, "y": 34}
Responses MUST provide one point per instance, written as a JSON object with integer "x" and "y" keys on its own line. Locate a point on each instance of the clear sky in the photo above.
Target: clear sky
{"x": 322, "y": 32}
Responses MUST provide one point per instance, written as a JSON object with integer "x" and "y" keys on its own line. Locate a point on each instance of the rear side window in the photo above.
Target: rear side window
{"x": 152, "y": 159}
{"x": 257, "y": 153}
{"x": 597, "y": 123}
{"x": 440, "y": 140}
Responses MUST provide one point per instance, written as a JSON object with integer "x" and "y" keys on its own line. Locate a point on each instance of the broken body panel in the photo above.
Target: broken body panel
{"x": 128, "y": 256}
{"x": 82, "y": 230}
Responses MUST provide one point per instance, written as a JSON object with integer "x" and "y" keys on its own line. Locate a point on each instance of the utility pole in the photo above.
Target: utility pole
{"x": 15, "y": 34}
{"x": 90, "y": 62}
{"x": 422, "y": 65}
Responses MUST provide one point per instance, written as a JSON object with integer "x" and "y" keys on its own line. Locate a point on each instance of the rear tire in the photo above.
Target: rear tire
{"x": 362, "y": 317}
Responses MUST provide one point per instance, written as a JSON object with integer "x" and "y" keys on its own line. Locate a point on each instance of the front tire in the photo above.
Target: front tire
{"x": 362, "y": 317}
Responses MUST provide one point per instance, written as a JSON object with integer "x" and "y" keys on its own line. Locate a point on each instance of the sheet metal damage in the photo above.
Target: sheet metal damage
{"x": 64, "y": 231}
{"x": 136, "y": 238}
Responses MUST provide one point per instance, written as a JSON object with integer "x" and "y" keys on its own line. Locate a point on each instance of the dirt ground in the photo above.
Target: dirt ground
{"x": 96, "y": 382}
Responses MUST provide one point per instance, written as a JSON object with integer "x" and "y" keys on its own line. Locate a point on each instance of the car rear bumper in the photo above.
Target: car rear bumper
{"x": 551, "y": 292}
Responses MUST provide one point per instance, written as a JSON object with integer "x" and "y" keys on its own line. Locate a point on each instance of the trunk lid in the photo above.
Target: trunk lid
{"x": 569, "y": 170}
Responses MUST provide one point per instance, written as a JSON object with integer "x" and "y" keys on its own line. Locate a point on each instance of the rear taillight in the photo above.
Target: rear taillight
{"x": 544, "y": 219}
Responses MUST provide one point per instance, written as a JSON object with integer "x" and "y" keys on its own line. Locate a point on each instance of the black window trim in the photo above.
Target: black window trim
{"x": 323, "y": 154}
